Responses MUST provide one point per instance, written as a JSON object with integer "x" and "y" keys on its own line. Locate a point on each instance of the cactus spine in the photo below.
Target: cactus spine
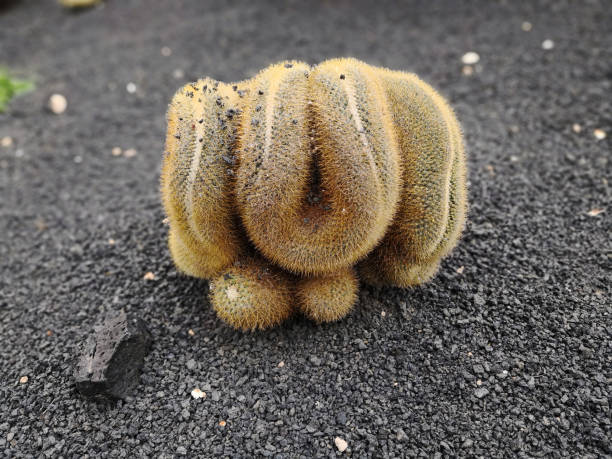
{"x": 313, "y": 171}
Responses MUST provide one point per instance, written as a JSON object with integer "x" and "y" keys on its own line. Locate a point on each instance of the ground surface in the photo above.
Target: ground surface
{"x": 509, "y": 356}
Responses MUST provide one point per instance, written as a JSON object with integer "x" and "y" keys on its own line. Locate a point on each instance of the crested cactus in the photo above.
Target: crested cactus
{"x": 282, "y": 187}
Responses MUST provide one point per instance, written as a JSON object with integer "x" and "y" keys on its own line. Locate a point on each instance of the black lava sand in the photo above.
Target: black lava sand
{"x": 506, "y": 353}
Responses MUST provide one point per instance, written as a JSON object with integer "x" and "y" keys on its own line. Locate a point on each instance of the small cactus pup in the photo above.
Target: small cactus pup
{"x": 286, "y": 189}
{"x": 252, "y": 294}
{"x": 327, "y": 298}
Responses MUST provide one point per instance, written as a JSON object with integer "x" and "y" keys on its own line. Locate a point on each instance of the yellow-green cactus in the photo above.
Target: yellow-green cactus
{"x": 326, "y": 298}
{"x": 312, "y": 134}
{"x": 197, "y": 178}
{"x": 433, "y": 208}
{"x": 318, "y": 170}
{"x": 252, "y": 294}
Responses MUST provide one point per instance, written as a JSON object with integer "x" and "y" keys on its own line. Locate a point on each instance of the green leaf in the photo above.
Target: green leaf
{"x": 11, "y": 87}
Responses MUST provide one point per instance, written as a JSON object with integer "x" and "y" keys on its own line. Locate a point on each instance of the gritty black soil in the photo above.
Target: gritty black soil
{"x": 506, "y": 353}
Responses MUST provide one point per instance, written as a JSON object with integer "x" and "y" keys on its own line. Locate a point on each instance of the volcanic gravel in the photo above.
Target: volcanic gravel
{"x": 506, "y": 353}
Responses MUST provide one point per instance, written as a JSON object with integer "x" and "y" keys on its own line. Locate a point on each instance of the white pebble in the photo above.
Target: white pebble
{"x": 341, "y": 444}
{"x": 58, "y": 104}
{"x": 577, "y": 128}
{"x": 178, "y": 74}
{"x": 131, "y": 87}
{"x": 526, "y": 26}
{"x": 130, "y": 153}
{"x": 470, "y": 58}
{"x": 165, "y": 51}
{"x": 116, "y": 151}
{"x": 599, "y": 134}
{"x": 78, "y": 159}
{"x": 6, "y": 141}
{"x": 548, "y": 44}
{"x": 197, "y": 393}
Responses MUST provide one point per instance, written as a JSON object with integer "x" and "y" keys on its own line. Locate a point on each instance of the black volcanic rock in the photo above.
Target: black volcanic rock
{"x": 110, "y": 363}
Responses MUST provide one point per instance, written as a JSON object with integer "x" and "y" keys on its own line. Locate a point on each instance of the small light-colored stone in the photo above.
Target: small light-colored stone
{"x": 470, "y": 58}
{"x": 23, "y": 380}
{"x": 281, "y": 364}
{"x": 131, "y": 87}
{"x": 6, "y": 141}
{"x": 58, "y": 104}
{"x": 460, "y": 269}
{"x": 178, "y": 74}
{"x": 116, "y": 151}
{"x": 576, "y": 128}
{"x": 222, "y": 423}
{"x": 595, "y": 212}
{"x": 341, "y": 444}
{"x": 526, "y": 26}
{"x": 149, "y": 276}
{"x": 190, "y": 332}
{"x": 599, "y": 134}
{"x": 197, "y": 393}
{"x": 548, "y": 44}
{"x": 467, "y": 70}
{"x": 165, "y": 51}
{"x": 130, "y": 153}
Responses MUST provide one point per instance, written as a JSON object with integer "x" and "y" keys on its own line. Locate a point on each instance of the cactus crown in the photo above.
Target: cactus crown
{"x": 316, "y": 169}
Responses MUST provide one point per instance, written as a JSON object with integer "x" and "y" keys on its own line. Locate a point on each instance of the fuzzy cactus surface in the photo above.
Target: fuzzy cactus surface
{"x": 285, "y": 189}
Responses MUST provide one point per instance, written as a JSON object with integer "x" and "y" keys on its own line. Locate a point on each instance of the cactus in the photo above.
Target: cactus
{"x": 319, "y": 177}
{"x": 196, "y": 178}
{"x": 287, "y": 181}
{"x": 328, "y": 298}
{"x": 433, "y": 207}
{"x": 252, "y": 294}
